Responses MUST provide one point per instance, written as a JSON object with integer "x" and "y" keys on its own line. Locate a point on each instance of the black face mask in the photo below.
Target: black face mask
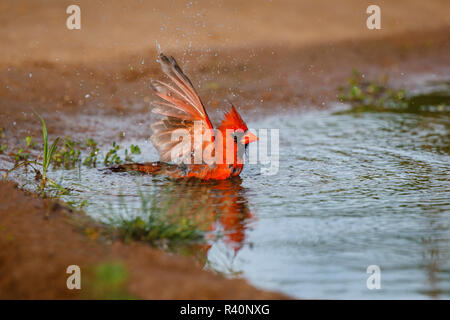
{"x": 241, "y": 148}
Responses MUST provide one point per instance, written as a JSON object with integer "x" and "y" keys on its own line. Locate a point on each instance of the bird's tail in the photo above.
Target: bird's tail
{"x": 147, "y": 167}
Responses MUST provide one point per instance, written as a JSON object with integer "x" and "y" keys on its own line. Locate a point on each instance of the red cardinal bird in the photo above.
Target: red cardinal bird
{"x": 206, "y": 154}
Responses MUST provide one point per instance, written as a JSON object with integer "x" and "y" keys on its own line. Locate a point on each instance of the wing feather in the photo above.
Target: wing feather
{"x": 181, "y": 107}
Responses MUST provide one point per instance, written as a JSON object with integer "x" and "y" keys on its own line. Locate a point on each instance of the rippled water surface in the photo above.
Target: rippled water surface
{"x": 353, "y": 190}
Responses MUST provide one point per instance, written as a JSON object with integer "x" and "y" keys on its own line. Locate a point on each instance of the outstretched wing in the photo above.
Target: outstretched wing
{"x": 183, "y": 112}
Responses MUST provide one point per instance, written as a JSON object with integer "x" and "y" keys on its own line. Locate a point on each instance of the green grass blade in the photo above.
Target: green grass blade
{"x": 52, "y": 150}
{"x": 45, "y": 137}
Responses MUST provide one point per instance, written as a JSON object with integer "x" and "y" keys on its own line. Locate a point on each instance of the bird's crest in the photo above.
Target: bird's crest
{"x": 233, "y": 120}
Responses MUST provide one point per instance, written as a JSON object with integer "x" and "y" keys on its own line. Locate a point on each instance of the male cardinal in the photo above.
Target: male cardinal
{"x": 206, "y": 154}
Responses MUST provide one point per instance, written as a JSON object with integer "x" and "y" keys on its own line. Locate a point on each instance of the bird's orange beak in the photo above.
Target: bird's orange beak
{"x": 248, "y": 137}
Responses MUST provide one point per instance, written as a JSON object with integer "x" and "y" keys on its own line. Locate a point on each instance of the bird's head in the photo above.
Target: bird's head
{"x": 233, "y": 125}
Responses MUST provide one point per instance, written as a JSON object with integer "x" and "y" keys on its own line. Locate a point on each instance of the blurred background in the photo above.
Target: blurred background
{"x": 37, "y": 29}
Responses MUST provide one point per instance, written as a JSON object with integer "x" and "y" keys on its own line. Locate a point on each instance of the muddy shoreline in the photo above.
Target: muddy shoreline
{"x": 40, "y": 238}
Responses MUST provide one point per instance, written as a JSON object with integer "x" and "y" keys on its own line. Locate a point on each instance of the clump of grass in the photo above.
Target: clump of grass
{"x": 112, "y": 156}
{"x": 133, "y": 150}
{"x": 371, "y": 95}
{"x": 22, "y": 160}
{"x": 62, "y": 153}
{"x": 108, "y": 281}
{"x": 20, "y": 155}
{"x": 376, "y": 96}
{"x": 91, "y": 159}
{"x": 68, "y": 155}
{"x": 163, "y": 219}
{"x": 23, "y": 154}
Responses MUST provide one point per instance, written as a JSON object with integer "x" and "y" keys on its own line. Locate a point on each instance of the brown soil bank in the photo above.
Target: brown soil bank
{"x": 39, "y": 240}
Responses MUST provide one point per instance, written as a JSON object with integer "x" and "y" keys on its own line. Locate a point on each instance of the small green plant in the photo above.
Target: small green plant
{"x": 365, "y": 95}
{"x": 376, "y": 96}
{"x": 108, "y": 281}
{"x": 91, "y": 159}
{"x": 163, "y": 219}
{"x": 76, "y": 204}
{"x": 133, "y": 150}
{"x": 21, "y": 155}
{"x": 157, "y": 229}
{"x": 29, "y": 141}
{"x": 68, "y": 155}
{"x": 47, "y": 154}
{"x": 127, "y": 156}
{"x": 112, "y": 156}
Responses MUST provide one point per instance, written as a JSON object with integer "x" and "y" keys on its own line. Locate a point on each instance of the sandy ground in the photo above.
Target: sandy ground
{"x": 260, "y": 55}
{"x": 35, "y": 30}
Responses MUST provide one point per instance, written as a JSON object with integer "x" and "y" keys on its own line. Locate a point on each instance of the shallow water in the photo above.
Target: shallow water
{"x": 353, "y": 190}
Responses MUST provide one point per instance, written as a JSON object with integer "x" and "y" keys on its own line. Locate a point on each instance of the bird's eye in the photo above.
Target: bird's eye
{"x": 235, "y": 137}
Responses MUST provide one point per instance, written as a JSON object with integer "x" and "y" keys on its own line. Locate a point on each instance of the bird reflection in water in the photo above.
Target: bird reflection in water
{"x": 223, "y": 209}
